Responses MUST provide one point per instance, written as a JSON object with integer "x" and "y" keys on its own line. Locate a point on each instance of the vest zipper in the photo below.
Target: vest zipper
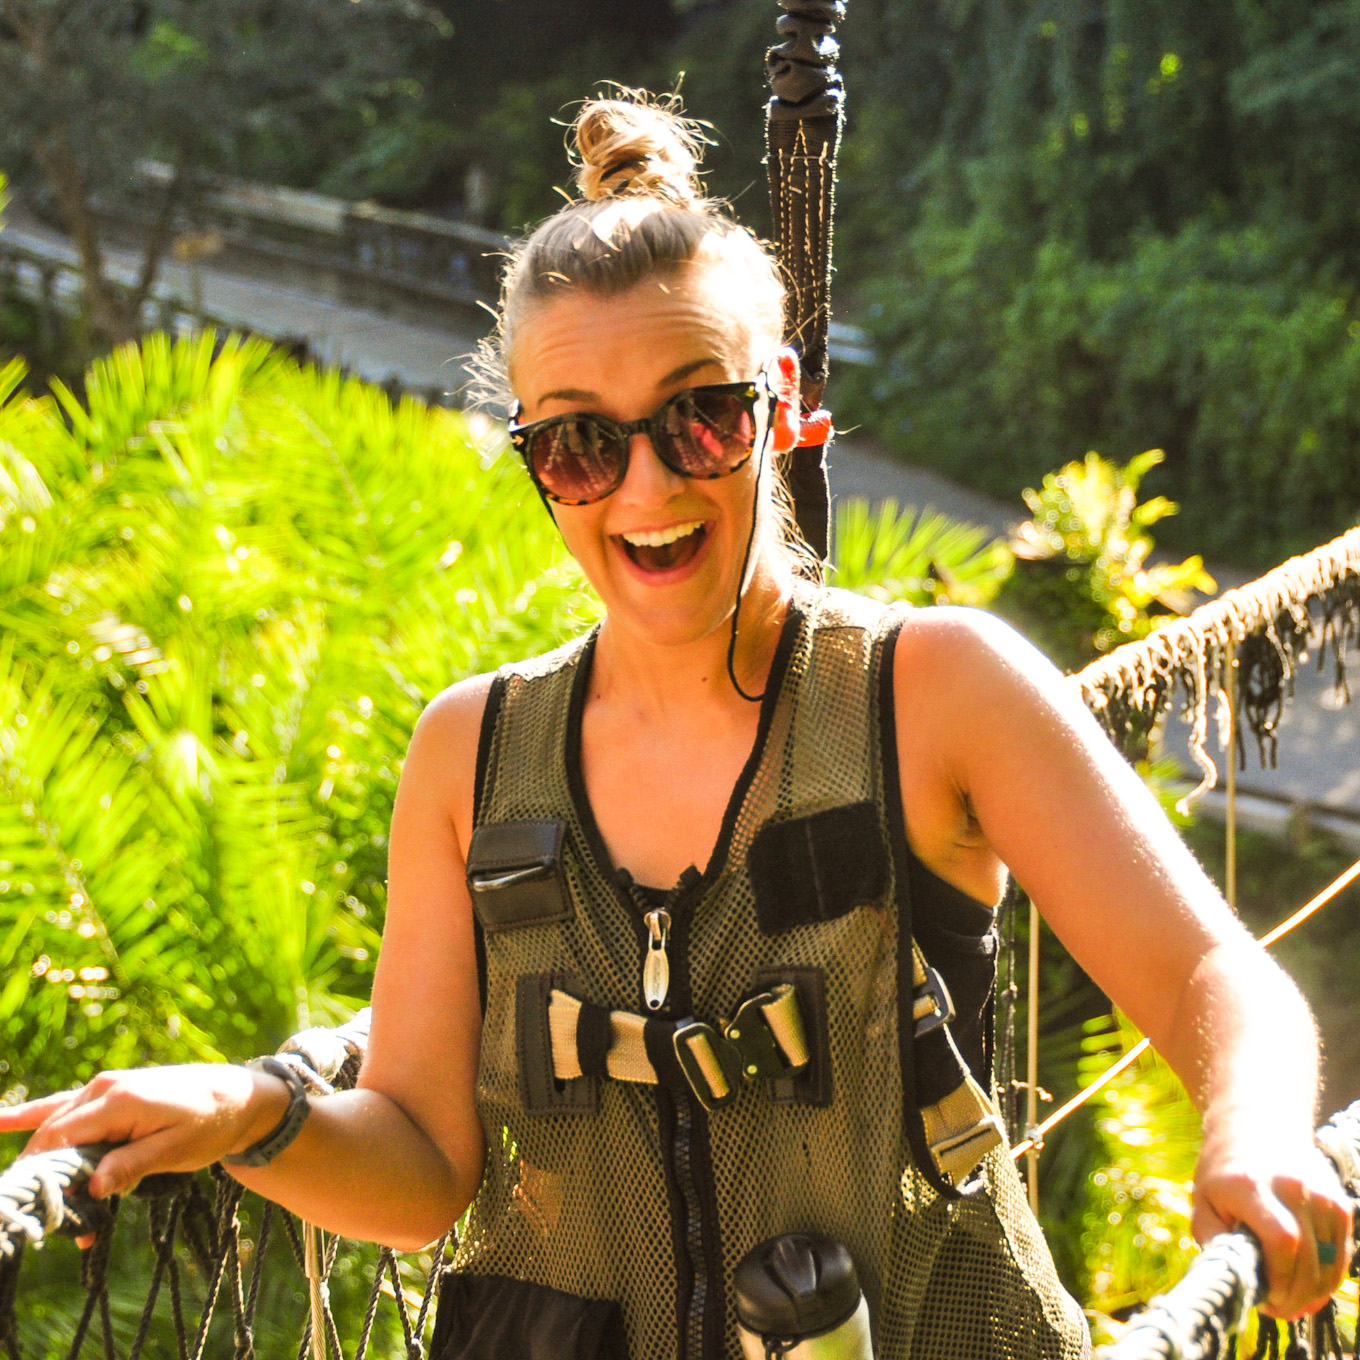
{"x": 656, "y": 964}
{"x": 683, "y": 1161}
{"x": 687, "y": 1165}
{"x": 691, "y": 1164}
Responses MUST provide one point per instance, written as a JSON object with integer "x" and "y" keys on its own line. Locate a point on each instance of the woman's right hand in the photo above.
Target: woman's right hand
{"x": 161, "y": 1119}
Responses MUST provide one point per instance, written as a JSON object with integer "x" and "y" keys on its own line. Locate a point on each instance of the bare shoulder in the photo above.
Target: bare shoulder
{"x": 984, "y": 721}
{"x": 441, "y": 763}
{"x": 956, "y": 651}
{"x": 452, "y": 720}
{"x": 968, "y": 684}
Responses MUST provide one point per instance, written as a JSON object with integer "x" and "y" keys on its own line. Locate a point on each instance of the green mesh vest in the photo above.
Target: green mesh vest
{"x": 637, "y": 1193}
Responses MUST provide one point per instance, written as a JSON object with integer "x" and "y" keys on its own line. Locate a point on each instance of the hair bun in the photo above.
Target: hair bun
{"x": 635, "y": 146}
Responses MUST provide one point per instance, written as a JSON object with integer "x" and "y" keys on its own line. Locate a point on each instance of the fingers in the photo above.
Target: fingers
{"x": 1306, "y": 1265}
{"x": 119, "y": 1170}
{"x": 1326, "y": 1254}
{"x": 97, "y": 1119}
{"x": 30, "y": 1114}
{"x": 161, "y": 1119}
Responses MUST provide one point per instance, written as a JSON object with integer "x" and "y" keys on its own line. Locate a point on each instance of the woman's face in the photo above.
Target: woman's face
{"x": 663, "y": 551}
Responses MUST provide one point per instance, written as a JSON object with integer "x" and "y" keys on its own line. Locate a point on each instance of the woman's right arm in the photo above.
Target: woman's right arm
{"x": 399, "y": 1158}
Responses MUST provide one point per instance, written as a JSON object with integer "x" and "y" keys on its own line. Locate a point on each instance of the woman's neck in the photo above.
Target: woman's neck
{"x": 661, "y": 679}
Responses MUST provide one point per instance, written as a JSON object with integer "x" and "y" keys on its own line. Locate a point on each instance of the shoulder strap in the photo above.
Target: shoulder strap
{"x": 961, "y": 1123}
{"x": 951, "y": 1122}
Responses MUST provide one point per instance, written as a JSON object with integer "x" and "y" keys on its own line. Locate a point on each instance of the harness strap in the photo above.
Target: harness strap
{"x": 964, "y": 1124}
{"x": 765, "y": 1039}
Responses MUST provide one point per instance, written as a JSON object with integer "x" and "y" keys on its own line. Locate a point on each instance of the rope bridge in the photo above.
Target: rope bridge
{"x": 1239, "y": 652}
{"x": 47, "y": 1194}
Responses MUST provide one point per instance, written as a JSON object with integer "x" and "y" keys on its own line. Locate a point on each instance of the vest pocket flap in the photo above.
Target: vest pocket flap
{"x": 514, "y": 874}
{"x": 816, "y": 868}
{"x": 494, "y": 1317}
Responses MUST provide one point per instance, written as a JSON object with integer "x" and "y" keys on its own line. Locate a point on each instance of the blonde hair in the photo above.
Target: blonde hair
{"x": 641, "y": 214}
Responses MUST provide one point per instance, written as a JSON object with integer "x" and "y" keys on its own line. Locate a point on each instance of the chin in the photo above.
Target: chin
{"x": 672, "y": 623}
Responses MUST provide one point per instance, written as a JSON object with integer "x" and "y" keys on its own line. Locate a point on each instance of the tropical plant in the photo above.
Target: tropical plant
{"x": 227, "y": 587}
{"x": 897, "y": 553}
{"x": 1083, "y": 582}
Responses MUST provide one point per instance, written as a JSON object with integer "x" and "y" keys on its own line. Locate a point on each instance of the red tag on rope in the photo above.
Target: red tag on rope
{"x": 816, "y": 428}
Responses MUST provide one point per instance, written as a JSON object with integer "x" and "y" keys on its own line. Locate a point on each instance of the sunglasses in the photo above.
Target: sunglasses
{"x": 702, "y": 432}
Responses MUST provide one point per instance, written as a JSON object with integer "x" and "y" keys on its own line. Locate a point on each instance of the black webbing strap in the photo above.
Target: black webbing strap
{"x": 803, "y": 132}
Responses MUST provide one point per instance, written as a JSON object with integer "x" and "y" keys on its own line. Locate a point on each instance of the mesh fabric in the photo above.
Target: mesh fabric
{"x": 588, "y": 1202}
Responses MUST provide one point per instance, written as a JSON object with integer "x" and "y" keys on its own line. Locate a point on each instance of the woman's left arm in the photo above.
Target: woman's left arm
{"x": 999, "y": 756}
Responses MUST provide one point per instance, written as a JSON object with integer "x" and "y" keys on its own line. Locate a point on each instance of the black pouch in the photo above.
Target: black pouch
{"x": 493, "y": 1317}
{"x": 514, "y": 874}
{"x": 812, "y": 869}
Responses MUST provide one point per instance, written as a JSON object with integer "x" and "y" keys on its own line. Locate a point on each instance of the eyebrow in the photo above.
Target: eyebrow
{"x": 674, "y": 376}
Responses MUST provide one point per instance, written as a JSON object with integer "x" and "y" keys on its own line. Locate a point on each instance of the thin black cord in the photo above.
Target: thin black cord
{"x": 741, "y": 583}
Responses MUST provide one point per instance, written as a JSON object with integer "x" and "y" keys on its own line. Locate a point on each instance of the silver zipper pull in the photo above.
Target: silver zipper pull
{"x": 656, "y": 967}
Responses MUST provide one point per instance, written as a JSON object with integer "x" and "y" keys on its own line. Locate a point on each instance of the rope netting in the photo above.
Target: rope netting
{"x": 196, "y": 1229}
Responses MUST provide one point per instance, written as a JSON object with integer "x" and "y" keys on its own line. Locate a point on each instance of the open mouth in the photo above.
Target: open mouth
{"x": 657, "y": 550}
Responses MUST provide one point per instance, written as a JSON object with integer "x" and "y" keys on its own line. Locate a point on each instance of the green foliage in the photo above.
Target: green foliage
{"x": 227, "y": 587}
{"x": 1083, "y": 582}
{"x": 923, "y": 557}
{"x": 1220, "y": 343}
{"x": 1109, "y": 227}
{"x": 1136, "y": 1234}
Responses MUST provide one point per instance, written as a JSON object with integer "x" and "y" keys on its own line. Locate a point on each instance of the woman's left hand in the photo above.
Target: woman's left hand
{"x": 1291, "y": 1199}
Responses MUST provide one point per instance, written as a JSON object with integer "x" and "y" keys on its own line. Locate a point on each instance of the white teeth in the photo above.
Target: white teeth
{"x": 658, "y": 538}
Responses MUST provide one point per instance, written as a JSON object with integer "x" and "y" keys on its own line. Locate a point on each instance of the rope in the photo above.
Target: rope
{"x": 1267, "y": 625}
{"x": 802, "y": 135}
{"x": 1035, "y": 1141}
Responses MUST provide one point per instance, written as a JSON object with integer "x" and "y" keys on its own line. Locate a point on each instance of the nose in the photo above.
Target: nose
{"x": 648, "y": 480}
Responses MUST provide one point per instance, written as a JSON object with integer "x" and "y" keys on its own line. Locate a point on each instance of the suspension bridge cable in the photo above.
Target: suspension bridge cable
{"x": 1035, "y": 1140}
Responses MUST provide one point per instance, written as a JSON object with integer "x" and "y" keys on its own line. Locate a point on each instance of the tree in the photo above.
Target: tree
{"x": 88, "y": 87}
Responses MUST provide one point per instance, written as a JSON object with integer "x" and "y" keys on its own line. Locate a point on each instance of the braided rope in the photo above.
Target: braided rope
{"x": 1267, "y": 625}
{"x": 40, "y": 1195}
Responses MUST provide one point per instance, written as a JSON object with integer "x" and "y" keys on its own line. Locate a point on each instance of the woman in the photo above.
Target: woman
{"x": 649, "y": 847}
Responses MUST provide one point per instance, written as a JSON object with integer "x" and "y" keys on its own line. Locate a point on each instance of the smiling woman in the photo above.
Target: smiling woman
{"x": 696, "y": 973}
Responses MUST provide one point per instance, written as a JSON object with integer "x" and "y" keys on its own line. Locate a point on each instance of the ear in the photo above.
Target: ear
{"x": 788, "y": 413}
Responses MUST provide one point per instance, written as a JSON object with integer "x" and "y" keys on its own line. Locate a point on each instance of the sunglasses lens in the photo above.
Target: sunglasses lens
{"x": 710, "y": 433}
{"x": 576, "y": 460}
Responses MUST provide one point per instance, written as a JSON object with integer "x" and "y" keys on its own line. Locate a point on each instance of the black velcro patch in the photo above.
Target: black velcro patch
{"x": 594, "y": 1036}
{"x": 816, "y": 868}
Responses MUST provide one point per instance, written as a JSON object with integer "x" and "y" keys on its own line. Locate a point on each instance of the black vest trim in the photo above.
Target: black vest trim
{"x": 901, "y": 852}
{"x": 495, "y": 697}
{"x": 540, "y": 1091}
{"x": 490, "y": 717}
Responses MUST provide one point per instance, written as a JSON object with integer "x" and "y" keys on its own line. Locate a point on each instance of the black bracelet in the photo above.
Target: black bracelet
{"x": 294, "y": 1117}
